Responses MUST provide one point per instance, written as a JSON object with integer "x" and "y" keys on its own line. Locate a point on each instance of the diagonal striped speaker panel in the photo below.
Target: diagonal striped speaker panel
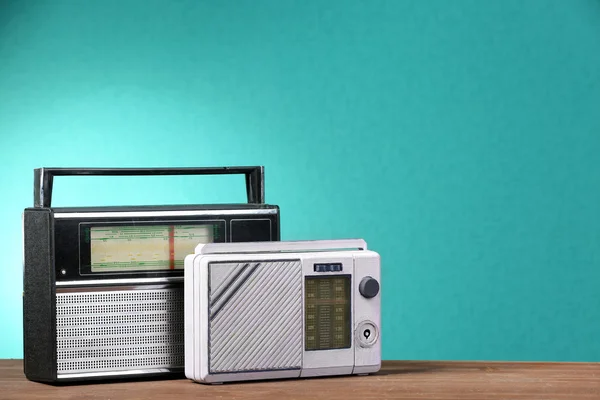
{"x": 255, "y": 316}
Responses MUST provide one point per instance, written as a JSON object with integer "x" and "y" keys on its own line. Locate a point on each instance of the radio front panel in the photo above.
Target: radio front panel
{"x": 112, "y": 319}
{"x": 284, "y": 315}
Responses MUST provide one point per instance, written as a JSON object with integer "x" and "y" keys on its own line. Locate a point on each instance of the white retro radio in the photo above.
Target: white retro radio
{"x": 290, "y": 309}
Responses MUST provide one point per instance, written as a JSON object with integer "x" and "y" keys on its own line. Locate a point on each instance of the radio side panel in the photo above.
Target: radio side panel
{"x": 201, "y": 318}
{"x": 189, "y": 313}
{"x": 367, "y": 313}
{"x": 39, "y": 320}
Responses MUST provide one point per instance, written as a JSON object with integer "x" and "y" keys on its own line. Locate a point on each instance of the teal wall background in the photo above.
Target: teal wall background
{"x": 460, "y": 139}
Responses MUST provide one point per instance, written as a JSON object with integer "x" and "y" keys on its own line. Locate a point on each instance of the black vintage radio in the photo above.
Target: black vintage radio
{"x": 103, "y": 286}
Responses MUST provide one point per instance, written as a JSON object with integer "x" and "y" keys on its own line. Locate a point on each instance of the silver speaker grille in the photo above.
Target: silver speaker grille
{"x": 119, "y": 330}
{"x": 255, "y": 316}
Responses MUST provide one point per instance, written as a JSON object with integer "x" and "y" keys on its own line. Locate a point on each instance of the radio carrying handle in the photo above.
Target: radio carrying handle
{"x": 282, "y": 246}
{"x": 44, "y": 178}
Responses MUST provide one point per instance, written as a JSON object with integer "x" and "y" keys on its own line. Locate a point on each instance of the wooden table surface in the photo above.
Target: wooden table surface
{"x": 396, "y": 380}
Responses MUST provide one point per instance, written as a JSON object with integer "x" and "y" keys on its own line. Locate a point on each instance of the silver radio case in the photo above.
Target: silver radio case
{"x": 292, "y": 309}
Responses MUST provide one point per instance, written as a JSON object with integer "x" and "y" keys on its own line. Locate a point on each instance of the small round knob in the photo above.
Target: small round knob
{"x": 367, "y": 334}
{"x": 368, "y": 287}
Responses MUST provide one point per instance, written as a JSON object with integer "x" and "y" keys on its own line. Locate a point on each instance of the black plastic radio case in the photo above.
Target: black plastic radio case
{"x": 80, "y": 325}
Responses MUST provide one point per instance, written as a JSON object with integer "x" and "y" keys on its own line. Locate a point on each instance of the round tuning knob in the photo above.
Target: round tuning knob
{"x": 368, "y": 287}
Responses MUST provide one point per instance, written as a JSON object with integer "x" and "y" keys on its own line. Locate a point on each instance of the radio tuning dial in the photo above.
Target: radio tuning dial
{"x": 368, "y": 287}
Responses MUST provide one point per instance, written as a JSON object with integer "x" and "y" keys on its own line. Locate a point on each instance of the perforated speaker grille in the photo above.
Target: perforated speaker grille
{"x": 255, "y": 316}
{"x": 119, "y": 330}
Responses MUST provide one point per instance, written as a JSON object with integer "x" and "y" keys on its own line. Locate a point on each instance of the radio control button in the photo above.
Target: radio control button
{"x": 367, "y": 334}
{"x": 368, "y": 287}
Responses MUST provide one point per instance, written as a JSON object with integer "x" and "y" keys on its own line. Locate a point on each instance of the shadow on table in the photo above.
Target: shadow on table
{"x": 408, "y": 367}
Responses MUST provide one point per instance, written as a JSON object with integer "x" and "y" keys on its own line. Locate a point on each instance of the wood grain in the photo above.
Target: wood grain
{"x": 396, "y": 380}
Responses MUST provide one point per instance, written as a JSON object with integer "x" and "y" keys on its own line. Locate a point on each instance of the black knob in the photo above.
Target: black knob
{"x": 368, "y": 287}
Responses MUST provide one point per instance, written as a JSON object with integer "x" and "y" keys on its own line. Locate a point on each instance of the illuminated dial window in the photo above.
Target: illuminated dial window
{"x": 149, "y": 247}
{"x": 327, "y": 312}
